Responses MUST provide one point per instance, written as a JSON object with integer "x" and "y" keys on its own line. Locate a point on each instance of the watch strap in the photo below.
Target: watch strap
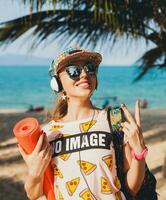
{"x": 139, "y": 156}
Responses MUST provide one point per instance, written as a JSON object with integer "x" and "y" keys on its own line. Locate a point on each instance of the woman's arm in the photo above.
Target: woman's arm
{"x": 135, "y": 169}
{"x": 34, "y": 187}
{"x": 37, "y": 163}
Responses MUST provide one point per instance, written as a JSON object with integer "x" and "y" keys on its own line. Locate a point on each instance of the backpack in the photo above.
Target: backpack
{"x": 148, "y": 188}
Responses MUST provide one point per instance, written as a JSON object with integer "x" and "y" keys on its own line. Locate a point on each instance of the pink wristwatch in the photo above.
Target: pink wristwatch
{"x": 139, "y": 156}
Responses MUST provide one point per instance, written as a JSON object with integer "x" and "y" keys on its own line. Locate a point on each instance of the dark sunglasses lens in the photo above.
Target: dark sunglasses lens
{"x": 90, "y": 68}
{"x": 73, "y": 71}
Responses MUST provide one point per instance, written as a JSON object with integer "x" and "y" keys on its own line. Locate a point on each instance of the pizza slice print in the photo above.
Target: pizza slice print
{"x": 108, "y": 161}
{"x": 55, "y": 127}
{"x": 84, "y": 127}
{"x": 57, "y": 171}
{"x": 65, "y": 156}
{"x": 60, "y": 197}
{"x": 54, "y": 132}
{"x": 106, "y": 188}
{"x": 87, "y": 167}
{"x": 72, "y": 185}
{"x": 86, "y": 195}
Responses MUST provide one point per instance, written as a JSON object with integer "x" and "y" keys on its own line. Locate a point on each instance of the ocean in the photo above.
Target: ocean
{"x": 21, "y": 87}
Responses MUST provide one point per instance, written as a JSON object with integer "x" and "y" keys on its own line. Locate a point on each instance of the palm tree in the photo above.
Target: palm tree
{"x": 94, "y": 22}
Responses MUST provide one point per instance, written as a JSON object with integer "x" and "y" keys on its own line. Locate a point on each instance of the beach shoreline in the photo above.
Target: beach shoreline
{"x": 12, "y": 110}
{"x": 13, "y": 170}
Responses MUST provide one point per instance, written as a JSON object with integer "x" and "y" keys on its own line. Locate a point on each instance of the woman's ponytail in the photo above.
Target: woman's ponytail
{"x": 61, "y": 107}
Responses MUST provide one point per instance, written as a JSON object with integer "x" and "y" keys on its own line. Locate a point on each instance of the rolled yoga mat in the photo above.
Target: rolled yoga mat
{"x": 27, "y": 132}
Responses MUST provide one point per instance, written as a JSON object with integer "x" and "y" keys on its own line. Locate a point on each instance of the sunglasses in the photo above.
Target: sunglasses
{"x": 74, "y": 71}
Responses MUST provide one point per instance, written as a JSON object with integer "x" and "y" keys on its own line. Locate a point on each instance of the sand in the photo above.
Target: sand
{"x": 13, "y": 170}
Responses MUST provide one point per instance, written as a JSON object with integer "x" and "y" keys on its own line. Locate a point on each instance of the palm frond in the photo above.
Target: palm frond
{"x": 149, "y": 60}
{"x": 57, "y": 24}
{"x": 12, "y": 30}
{"x": 93, "y": 22}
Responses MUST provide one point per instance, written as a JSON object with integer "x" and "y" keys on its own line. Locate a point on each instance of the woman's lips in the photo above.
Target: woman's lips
{"x": 83, "y": 84}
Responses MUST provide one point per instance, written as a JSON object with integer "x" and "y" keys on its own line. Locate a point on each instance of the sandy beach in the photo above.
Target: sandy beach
{"x": 13, "y": 170}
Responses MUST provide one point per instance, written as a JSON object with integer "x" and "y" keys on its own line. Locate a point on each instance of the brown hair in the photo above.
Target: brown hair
{"x": 60, "y": 108}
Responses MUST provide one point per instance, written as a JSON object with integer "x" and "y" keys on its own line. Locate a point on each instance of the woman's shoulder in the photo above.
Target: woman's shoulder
{"x": 52, "y": 129}
{"x": 47, "y": 126}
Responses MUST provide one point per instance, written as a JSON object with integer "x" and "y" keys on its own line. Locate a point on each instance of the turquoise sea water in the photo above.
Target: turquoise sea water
{"x": 21, "y": 87}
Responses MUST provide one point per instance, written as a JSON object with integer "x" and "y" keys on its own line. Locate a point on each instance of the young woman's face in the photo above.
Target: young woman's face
{"x": 81, "y": 86}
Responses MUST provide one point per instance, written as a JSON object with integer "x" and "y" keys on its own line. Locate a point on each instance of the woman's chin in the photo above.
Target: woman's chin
{"x": 81, "y": 92}
{"x": 85, "y": 91}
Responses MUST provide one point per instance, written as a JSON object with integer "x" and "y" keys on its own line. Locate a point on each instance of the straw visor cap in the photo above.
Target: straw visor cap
{"x": 74, "y": 55}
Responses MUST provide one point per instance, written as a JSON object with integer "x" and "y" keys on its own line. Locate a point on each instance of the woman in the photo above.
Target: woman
{"x": 84, "y": 164}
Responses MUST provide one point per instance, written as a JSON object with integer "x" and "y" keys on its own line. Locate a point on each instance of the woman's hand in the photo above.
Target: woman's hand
{"x": 39, "y": 159}
{"x": 132, "y": 128}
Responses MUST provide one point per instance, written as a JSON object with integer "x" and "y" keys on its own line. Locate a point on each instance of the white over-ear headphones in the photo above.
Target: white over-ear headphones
{"x": 56, "y": 84}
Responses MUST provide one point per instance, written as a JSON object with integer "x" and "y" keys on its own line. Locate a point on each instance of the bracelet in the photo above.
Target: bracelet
{"x": 141, "y": 155}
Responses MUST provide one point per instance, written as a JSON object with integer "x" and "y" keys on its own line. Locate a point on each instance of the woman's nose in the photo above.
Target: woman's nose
{"x": 83, "y": 73}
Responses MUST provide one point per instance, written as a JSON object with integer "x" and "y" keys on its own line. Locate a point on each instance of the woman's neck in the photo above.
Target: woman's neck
{"x": 78, "y": 110}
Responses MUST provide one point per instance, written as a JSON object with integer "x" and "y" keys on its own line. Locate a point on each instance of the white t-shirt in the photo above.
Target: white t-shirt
{"x": 84, "y": 162}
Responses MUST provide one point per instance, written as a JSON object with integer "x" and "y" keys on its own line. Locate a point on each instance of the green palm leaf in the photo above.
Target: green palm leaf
{"x": 47, "y": 23}
{"x": 150, "y": 60}
{"x": 93, "y": 22}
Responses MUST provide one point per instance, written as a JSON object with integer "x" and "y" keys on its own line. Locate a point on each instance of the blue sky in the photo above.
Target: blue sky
{"x": 123, "y": 53}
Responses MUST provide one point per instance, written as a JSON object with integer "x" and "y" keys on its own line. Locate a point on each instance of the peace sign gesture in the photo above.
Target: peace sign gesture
{"x": 132, "y": 128}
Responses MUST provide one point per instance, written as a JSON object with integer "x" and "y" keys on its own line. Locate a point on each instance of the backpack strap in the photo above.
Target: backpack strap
{"x": 115, "y": 117}
{"x": 148, "y": 188}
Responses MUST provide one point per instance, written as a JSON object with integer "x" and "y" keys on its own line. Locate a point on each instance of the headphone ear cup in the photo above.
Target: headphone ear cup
{"x": 56, "y": 84}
